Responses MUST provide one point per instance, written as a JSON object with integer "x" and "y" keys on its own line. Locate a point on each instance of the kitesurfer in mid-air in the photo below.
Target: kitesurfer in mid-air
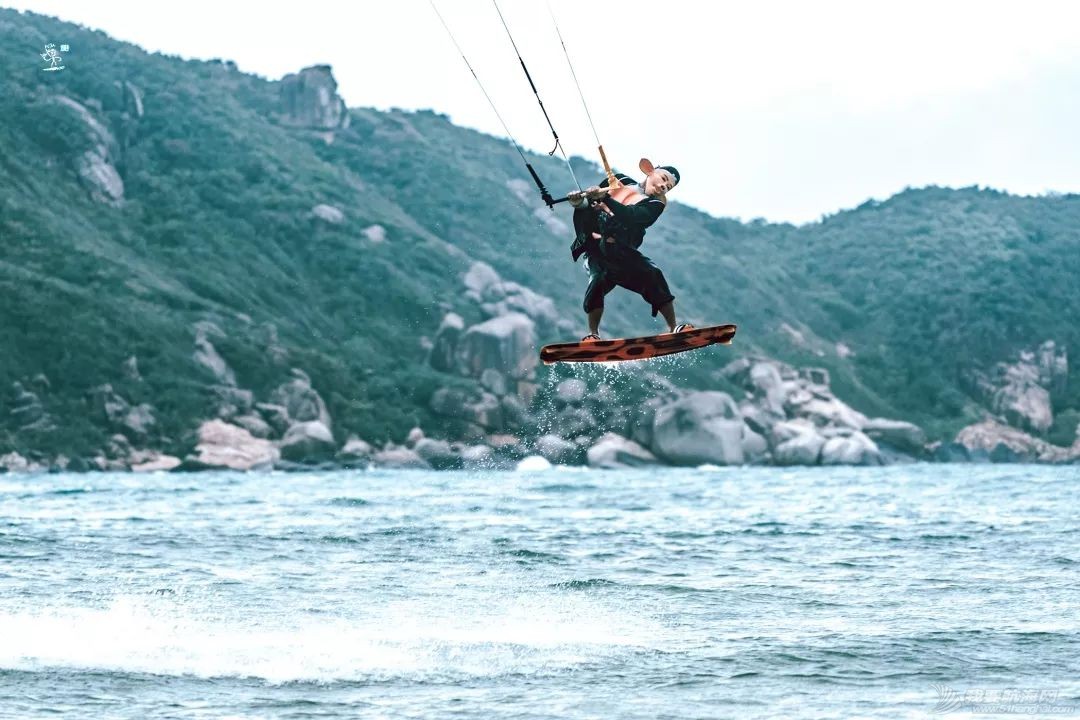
{"x": 610, "y": 224}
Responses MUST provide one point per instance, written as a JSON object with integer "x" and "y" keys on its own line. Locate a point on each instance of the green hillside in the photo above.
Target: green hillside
{"x": 216, "y": 224}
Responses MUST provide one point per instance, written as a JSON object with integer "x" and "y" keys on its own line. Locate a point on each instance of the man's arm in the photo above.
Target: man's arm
{"x": 621, "y": 177}
{"x": 642, "y": 214}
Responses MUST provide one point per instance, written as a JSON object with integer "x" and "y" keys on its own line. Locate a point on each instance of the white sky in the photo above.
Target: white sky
{"x": 782, "y": 110}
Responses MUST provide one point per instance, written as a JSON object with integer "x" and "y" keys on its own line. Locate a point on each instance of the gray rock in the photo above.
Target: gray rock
{"x": 1023, "y": 403}
{"x": 478, "y": 279}
{"x": 640, "y": 420}
{"x": 506, "y": 344}
{"x": 514, "y": 413}
{"x": 950, "y": 452}
{"x": 505, "y": 298}
{"x": 13, "y": 462}
{"x": 354, "y": 452}
{"x": 443, "y": 354}
{"x": 375, "y": 233}
{"x": 302, "y": 402}
{"x": 329, "y": 214}
{"x": 277, "y": 416}
{"x": 801, "y": 449}
{"x": 854, "y": 449}
{"x": 769, "y": 387}
{"x": 604, "y": 396}
{"x": 255, "y": 425}
{"x": 26, "y": 409}
{"x": 474, "y": 457}
{"x": 1002, "y": 453}
{"x": 415, "y": 435}
{"x": 573, "y": 421}
{"x": 831, "y": 411}
{"x": 901, "y": 435}
{"x": 95, "y": 164}
{"x": 571, "y": 391}
{"x": 154, "y": 461}
{"x": 309, "y": 99}
{"x": 222, "y": 446}
{"x": 556, "y": 450}
{"x": 493, "y": 381}
{"x": 985, "y": 438}
{"x": 473, "y": 406}
{"x": 140, "y": 421}
{"x": 700, "y": 428}
{"x": 308, "y": 442}
{"x": 207, "y": 355}
{"x": 614, "y": 451}
{"x": 130, "y": 369}
{"x": 399, "y": 458}
{"x": 437, "y": 454}
{"x": 754, "y": 446}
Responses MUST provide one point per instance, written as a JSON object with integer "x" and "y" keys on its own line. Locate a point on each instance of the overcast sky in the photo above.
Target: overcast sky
{"x": 781, "y": 110}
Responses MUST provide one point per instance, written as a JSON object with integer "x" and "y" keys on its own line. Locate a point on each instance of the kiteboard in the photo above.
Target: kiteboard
{"x": 642, "y": 348}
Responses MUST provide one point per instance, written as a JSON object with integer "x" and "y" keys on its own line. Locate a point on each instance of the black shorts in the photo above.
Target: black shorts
{"x": 634, "y": 272}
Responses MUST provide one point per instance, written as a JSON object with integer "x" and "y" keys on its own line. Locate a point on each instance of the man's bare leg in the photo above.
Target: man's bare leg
{"x": 594, "y": 320}
{"x": 668, "y": 311}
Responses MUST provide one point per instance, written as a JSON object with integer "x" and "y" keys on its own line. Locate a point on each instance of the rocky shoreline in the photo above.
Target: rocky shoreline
{"x": 494, "y": 413}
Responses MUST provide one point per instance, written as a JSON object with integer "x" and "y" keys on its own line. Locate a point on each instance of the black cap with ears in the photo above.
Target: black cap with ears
{"x": 673, "y": 171}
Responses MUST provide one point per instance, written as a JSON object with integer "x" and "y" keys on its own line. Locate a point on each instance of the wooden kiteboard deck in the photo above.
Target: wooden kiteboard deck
{"x": 641, "y": 348}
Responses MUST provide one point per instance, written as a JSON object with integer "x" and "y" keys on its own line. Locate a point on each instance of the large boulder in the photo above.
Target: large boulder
{"x": 309, "y": 99}
{"x": 504, "y": 298}
{"x": 572, "y": 421}
{"x": 355, "y": 453}
{"x": 443, "y": 355}
{"x": 399, "y": 458}
{"x": 615, "y": 451}
{"x": 26, "y": 410}
{"x": 830, "y": 411}
{"x": 139, "y": 421}
{"x": 754, "y": 446}
{"x": 700, "y": 428}
{"x": 308, "y": 442}
{"x": 769, "y": 387}
{"x": 98, "y": 154}
{"x": 437, "y": 454}
{"x": 225, "y": 446}
{"x": 106, "y": 404}
{"x": 555, "y": 449}
{"x": 515, "y": 414}
{"x": 153, "y": 461}
{"x": 302, "y": 402}
{"x": 254, "y": 425}
{"x": 1004, "y": 443}
{"x": 506, "y": 344}
{"x": 898, "y": 434}
{"x": 471, "y": 405}
{"x": 207, "y": 355}
{"x": 571, "y": 391}
{"x": 1023, "y": 392}
{"x": 1022, "y": 401}
{"x": 798, "y": 444}
{"x": 478, "y": 279}
{"x": 276, "y": 416}
{"x": 853, "y": 449}
{"x": 328, "y": 213}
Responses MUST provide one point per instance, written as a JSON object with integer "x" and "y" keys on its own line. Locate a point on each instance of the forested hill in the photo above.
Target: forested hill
{"x": 145, "y": 199}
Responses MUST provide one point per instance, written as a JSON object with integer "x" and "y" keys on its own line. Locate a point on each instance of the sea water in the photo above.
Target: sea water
{"x": 905, "y": 591}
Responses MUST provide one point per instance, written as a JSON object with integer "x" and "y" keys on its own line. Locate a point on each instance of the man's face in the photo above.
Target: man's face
{"x": 659, "y": 182}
